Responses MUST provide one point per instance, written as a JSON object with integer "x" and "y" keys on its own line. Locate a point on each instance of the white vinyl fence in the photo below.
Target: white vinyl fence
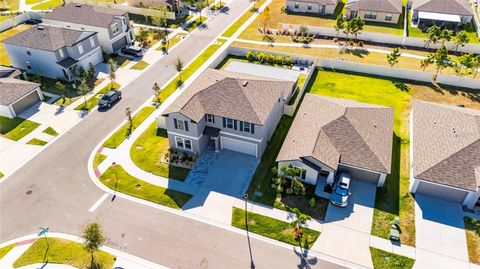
{"x": 19, "y": 19}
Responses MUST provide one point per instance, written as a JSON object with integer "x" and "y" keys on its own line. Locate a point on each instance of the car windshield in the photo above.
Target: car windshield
{"x": 341, "y": 191}
{"x": 106, "y": 97}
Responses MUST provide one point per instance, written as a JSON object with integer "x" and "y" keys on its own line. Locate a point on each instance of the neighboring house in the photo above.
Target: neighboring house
{"x": 176, "y": 6}
{"x": 445, "y": 152}
{"x": 53, "y": 52}
{"x": 17, "y": 95}
{"x": 330, "y": 135}
{"x": 450, "y": 14}
{"x": 387, "y": 11}
{"x": 227, "y": 110}
{"x": 318, "y": 7}
{"x": 9, "y": 72}
{"x": 112, "y": 25}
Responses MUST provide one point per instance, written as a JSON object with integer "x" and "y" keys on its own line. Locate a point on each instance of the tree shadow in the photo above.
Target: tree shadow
{"x": 361, "y": 53}
{"x": 268, "y": 38}
{"x": 401, "y": 86}
{"x": 305, "y": 261}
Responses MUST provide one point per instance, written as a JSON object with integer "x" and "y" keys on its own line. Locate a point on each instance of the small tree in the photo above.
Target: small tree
{"x": 94, "y": 238}
{"x": 179, "y": 67}
{"x": 339, "y": 24}
{"x": 475, "y": 65}
{"x": 111, "y": 74}
{"x": 303, "y": 30}
{"x": 356, "y": 25}
{"x": 279, "y": 59}
{"x": 445, "y": 36}
{"x": 262, "y": 57}
{"x": 251, "y": 56}
{"x": 433, "y": 35}
{"x": 157, "y": 91}
{"x": 460, "y": 39}
{"x": 254, "y": 7}
{"x": 128, "y": 114}
{"x": 161, "y": 21}
{"x": 264, "y": 20}
{"x": 91, "y": 71}
{"x": 298, "y": 223}
{"x": 270, "y": 59}
{"x": 82, "y": 90}
{"x": 394, "y": 57}
{"x": 142, "y": 36}
{"x": 424, "y": 63}
{"x": 442, "y": 60}
{"x": 201, "y": 4}
{"x": 288, "y": 61}
{"x": 60, "y": 88}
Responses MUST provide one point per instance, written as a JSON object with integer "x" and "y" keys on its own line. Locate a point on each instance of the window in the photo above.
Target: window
{"x": 183, "y": 143}
{"x": 309, "y": 7}
{"x": 92, "y": 41}
{"x": 60, "y": 51}
{"x": 229, "y": 123}
{"x": 370, "y": 15}
{"x": 388, "y": 17}
{"x": 114, "y": 28}
{"x": 296, "y": 4}
{"x": 180, "y": 124}
{"x": 29, "y": 65}
{"x": 80, "y": 48}
{"x": 210, "y": 118}
{"x": 29, "y": 52}
{"x": 246, "y": 127}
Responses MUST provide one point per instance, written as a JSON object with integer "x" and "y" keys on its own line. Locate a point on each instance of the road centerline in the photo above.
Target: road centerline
{"x": 98, "y": 202}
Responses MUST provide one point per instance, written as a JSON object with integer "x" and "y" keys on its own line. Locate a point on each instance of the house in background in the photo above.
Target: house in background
{"x": 111, "y": 25}
{"x": 386, "y": 11}
{"x": 451, "y": 14}
{"x": 317, "y": 7}
{"x": 53, "y": 52}
{"x": 445, "y": 152}
{"x": 330, "y": 135}
{"x": 227, "y": 110}
{"x": 176, "y": 6}
{"x": 17, "y": 95}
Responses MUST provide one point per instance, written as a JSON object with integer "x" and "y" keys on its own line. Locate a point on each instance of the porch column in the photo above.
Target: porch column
{"x": 217, "y": 145}
{"x": 330, "y": 178}
{"x": 414, "y": 187}
{"x": 381, "y": 180}
{"x": 471, "y": 199}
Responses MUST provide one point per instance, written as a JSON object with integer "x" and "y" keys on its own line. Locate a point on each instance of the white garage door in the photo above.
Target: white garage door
{"x": 26, "y": 102}
{"x": 442, "y": 192}
{"x": 239, "y": 146}
{"x": 360, "y": 174}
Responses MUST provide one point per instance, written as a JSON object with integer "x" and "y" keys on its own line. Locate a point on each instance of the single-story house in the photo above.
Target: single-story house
{"x": 331, "y": 135}
{"x": 52, "y": 51}
{"x": 17, "y": 95}
{"x": 318, "y": 7}
{"x": 445, "y": 152}
{"x": 227, "y": 110}
{"x": 111, "y": 25}
{"x": 386, "y": 11}
{"x": 450, "y": 14}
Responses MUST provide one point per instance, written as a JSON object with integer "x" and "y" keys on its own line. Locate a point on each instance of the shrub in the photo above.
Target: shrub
{"x": 261, "y": 57}
{"x": 270, "y": 59}
{"x": 312, "y": 202}
{"x": 251, "y": 56}
{"x": 279, "y": 59}
{"x": 288, "y": 61}
{"x": 360, "y": 43}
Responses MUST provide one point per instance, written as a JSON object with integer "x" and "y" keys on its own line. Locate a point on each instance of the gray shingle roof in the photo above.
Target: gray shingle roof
{"x": 337, "y": 131}
{"x": 446, "y": 144}
{"x": 225, "y": 94}
{"x": 85, "y": 14}
{"x": 50, "y": 38}
{"x": 387, "y": 6}
{"x": 320, "y": 2}
{"x": 456, "y": 7}
{"x": 12, "y": 89}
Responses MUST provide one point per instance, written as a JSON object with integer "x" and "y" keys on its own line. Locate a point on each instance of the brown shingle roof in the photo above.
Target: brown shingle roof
{"x": 233, "y": 95}
{"x": 387, "y": 6}
{"x": 341, "y": 131}
{"x": 446, "y": 144}
{"x": 456, "y": 7}
{"x": 321, "y": 2}
{"x": 85, "y": 14}
{"x": 12, "y": 89}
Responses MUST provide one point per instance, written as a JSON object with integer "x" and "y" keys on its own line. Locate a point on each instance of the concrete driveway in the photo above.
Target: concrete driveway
{"x": 346, "y": 232}
{"x": 440, "y": 234}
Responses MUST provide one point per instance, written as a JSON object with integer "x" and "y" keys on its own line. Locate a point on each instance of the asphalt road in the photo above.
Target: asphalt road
{"x": 54, "y": 189}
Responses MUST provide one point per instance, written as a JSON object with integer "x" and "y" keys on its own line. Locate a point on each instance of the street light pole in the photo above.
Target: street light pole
{"x": 116, "y": 180}
{"x": 252, "y": 265}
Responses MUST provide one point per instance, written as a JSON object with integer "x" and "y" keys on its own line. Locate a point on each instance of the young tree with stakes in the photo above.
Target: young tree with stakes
{"x": 264, "y": 21}
{"x": 60, "y": 88}
{"x": 128, "y": 114}
{"x": 156, "y": 88}
{"x": 112, "y": 76}
{"x": 82, "y": 90}
{"x": 179, "y": 67}
{"x": 339, "y": 24}
{"x": 93, "y": 238}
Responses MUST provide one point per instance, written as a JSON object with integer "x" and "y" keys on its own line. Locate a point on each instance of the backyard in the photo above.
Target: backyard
{"x": 472, "y": 230}
{"x": 148, "y": 153}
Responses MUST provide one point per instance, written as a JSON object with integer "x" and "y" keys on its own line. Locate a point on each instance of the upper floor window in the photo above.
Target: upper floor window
{"x": 296, "y": 4}
{"x": 210, "y": 118}
{"x": 370, "y": 15}
{"x": 388, "y": 17}
{"x": 247, "y": 127}
{"x": 80, "y": 48}
{"x": 229, "y": 123}
{"x": 60, "y": 52}
{"x": 92, "y": 41}
{"x": 114, "y": 28}
{"x": 309, "y": 7}
{"x": 180, "y": 124}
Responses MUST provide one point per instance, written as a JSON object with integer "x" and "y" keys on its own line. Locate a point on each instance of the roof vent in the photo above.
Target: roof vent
{"x": 454, "y": 131}
{"x": 435, "y": 122}
{"x": 244, "y": 83}
{"x": 78, "y": 5}
{"x": 374, "y": 125}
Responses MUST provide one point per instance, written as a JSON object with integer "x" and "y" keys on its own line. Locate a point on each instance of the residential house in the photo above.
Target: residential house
{"x": 227, "y": 110}
{"x": 111, "y": 25}
{"x": 445, "y": 152}
{"x": 317, "y": 7}
{"x": 176, "y": 6}
{"x": 331, "y": 135}
{"x": 17, "y": 95}
{"x": 450, "y": 14}
{"x": 53, "y": 52}
{"x": 386, "y": 11}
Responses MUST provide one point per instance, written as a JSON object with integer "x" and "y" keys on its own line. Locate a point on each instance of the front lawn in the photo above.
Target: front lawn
{"x": 16, "y": 128}
{"x": 5, "y": 249}
{"x": 62, "y": 251}
{"x": 272, "y": 228}
{"x": 98, "y": 159}
{"x": 386, "y": 260}
{"x": 50, "y": 131}
{"x": 140, "y": 65}
{"x": 118, "y": 179}
{"x": 37, "y": 142}
{"x": 148, "y": 150}
{"x": 196, "y": 23}
{"x": 472, "y": 230}
{"x": 121, "y": 134}
{"x": 93, "y": 101}
{"x": 174, "y": 40}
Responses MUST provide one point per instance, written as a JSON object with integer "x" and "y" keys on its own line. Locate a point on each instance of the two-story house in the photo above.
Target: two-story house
{"x": 227, "y": 110}
{"x": 112, "y": 25}
{"x": 53, "y": 52}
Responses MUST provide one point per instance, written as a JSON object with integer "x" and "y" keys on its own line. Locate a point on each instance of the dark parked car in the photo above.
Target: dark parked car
{"x": 132, "y": 51}
{"x": 109, "y": 99}
{"x": 341, "y": 190}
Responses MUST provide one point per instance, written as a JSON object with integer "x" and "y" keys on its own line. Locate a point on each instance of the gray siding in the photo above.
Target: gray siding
{"x": 87, "y": 48}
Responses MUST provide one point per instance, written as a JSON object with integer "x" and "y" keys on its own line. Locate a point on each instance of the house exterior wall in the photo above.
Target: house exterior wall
{"x": 311, "y": 174}
{"x": 380, "y": 16}
{"x": 7, "y": 111}
{"x": 315, "y": 8}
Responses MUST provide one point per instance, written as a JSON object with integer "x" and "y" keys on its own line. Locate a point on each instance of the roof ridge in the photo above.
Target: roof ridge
{"x": 243, "y": 89}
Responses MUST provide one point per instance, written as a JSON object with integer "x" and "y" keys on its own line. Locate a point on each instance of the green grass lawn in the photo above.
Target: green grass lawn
{"x": 473, "y": 239}
{"x": 48, "y": 5}
{"x": 470, "y": 28}
{"x": 50, "y": 131}
{"x": 272, "y": 228}
{"x": 98, "y": 159}
{"x": 93, "y": 101}
{"x": 5, "y": 250}
{"x": 16, "y": 128}
{"x": 1, "y": 174}
{"x": 62, "y": 251}
{"x": 31, "y": 2}
{"x": 240, "y": 21}
{"x": 194, "y": 24}
{"x": 37, "y": 142}
{"x": 140, "y": 65}
{"x": 12, "y": 5}
{"x": 386, "y": 260}
{"x": 174, "y": 40}
{"x": 119, "y": 136}
{"x": 135, "y": 187}
{"x": 148, "y": 150}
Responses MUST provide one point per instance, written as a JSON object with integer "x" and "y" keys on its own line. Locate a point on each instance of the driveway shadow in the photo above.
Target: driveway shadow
{"x": 436, "y": 210}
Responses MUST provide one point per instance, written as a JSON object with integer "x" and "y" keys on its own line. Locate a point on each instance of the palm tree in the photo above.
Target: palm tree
{"x": 393, "y": 57}
{"x": 298, "y": 223}
{"x": 179, "y": 67}
{"x": 94, "y": 238}
{"x": 460, "y": 39}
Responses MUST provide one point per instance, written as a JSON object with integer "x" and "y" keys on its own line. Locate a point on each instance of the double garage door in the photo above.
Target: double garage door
{"x": 358, "y": 174}
{"x": 442, "y": 192}
{"x": 239, "y": 146}
{"x": 26, "y": 102}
